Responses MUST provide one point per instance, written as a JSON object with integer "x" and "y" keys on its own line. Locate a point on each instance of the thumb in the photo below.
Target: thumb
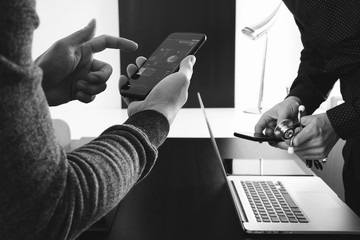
{"x": 281, "y": 117}
{"x": 186, "y": 66}
{"x": 83, "y": 35}
{"x": 285, "y": 113}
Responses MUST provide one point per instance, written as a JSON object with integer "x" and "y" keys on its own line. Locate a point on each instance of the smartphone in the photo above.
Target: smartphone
{"x": 258, "y": 137}
{"x": 164, "y": 61}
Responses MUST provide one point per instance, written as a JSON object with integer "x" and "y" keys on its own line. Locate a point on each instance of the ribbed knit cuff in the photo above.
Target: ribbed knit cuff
{"x": 154, "y": 124}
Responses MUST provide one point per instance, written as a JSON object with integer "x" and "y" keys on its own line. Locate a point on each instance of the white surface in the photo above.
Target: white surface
{"x": 268, "y": 167}
{"x": 188, "y": 123}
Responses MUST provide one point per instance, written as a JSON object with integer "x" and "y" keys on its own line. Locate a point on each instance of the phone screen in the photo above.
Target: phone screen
{"x": 258, "y": 137}
{"x": 165, "y": 60}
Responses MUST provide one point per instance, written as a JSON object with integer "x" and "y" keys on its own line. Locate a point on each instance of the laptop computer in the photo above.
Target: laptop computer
{"x": 287, "y": 203}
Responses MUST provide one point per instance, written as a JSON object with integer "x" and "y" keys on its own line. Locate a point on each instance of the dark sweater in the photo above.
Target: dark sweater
{"x": 46, "y": 193}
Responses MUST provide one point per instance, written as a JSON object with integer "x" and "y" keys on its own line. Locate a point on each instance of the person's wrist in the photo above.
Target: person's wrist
{"x": 168, "y": 111}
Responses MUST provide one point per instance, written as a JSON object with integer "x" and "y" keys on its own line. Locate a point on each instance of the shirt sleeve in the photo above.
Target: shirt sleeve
{"x": 313, "y": 83}
{"x": 47, "y": 193}
{"x": 345, "y": 118}
{"x": 100, "y": 174}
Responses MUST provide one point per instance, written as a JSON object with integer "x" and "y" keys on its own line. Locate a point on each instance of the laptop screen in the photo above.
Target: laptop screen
{"x": 213, "y": 141}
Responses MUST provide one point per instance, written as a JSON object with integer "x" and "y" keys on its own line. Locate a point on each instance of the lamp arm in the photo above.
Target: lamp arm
{"x": 258, "y": 30}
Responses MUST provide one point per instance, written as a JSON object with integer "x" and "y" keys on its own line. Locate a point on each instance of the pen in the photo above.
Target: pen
{"x": 301, "y": 110}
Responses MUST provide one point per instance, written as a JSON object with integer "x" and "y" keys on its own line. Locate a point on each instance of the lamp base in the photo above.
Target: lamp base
{"x": 254, "y": 110}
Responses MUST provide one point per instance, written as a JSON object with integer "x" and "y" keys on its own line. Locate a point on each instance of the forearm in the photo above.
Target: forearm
{"x": 102, "y": 172}
{"x": 74, "y": 190}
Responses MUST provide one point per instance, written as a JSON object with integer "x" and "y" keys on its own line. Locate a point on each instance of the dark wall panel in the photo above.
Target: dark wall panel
{"x": 148, "y": 22}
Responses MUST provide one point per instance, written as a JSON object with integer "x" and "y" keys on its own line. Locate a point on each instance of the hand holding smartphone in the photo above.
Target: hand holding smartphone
{"x": 164, "y": 61}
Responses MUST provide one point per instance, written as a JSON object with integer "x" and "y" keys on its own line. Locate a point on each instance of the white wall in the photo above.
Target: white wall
{"x": 60, "y": 18}
{"x": 283, "y": 56}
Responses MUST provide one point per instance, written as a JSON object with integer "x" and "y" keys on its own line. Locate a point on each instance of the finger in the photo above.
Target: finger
{"x": 318, "y": 165}
{"x": 310, "y": 151}
{"x": 102, "y": 42}
{"x": 281, "y": 145}
{"x": 186, "y": 66}
{"x": 265, "y": 122}
{"x": 306, "y": 120}
{"x": 90, "y": 89}
{"x": 83, "y": 97}
{"x": 100, "y": 72}
{"x": 83, "y": 35}
{"x": 303, "y": 137}
{"x": 306, "y": 135}
{"x": 131, "y": 69}
{"x": 140, "y": 61}
{"x": 309, "y": 163}
{"x": 281, "y": 116}
{"x": 122, "y": 82}
{"x": 269, "y": 131}
{"x": 288, "y": 113}
{"x": 313, "y": 155}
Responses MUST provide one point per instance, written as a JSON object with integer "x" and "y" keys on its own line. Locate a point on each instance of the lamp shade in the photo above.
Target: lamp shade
{"x": 261, "y": 28}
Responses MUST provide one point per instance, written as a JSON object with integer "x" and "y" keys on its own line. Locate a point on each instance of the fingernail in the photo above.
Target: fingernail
{"x": 193, "y": 59}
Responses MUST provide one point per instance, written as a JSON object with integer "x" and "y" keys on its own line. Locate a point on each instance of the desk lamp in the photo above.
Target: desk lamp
{"x": 254, "y": 33}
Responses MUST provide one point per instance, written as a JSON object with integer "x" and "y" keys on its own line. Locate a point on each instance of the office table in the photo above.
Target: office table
{"x": 182, "y": 197}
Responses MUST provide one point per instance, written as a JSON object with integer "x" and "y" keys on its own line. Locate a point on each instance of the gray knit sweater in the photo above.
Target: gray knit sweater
{"x": 46, "y": 193}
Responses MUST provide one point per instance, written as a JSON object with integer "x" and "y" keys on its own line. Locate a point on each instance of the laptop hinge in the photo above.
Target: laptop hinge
{"x": 237, "y": 201}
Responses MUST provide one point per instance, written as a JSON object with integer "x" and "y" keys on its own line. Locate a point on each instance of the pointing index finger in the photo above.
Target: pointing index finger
{"x": 102, "y": 42}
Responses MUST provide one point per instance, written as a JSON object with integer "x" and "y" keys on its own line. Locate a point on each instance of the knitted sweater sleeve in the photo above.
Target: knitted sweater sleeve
{"x": 47, "y": 193}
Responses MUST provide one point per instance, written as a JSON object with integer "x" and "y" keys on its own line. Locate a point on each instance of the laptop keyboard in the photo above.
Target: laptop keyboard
{"x": 271, "y": 203}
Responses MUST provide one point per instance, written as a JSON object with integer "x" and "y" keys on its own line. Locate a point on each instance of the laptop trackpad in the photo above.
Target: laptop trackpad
{"x": 322, "y": 199}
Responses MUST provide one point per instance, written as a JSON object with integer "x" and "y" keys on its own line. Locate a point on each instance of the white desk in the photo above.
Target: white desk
{"x": 188, "y": 123}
